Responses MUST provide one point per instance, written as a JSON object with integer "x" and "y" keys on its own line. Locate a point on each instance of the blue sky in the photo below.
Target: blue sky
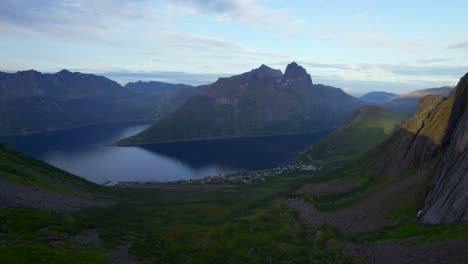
{"x": 357, "y": 45}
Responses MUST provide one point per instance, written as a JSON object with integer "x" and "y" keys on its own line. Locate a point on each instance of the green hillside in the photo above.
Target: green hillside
{"x": 368, "y": 127}
{"x": 21, "y": 169}
{"x": 362, "y": 212}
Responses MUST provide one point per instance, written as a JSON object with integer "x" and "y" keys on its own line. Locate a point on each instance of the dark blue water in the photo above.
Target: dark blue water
{"x": 86, "y": 152}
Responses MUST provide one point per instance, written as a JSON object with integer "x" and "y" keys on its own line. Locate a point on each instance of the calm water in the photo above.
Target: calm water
{"x": 86, "y": 152}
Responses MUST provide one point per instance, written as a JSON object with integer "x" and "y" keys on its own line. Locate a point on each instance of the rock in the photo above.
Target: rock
{"x": 448, "y": 200}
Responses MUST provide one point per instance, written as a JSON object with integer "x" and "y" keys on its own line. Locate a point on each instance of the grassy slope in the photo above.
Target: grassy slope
{"x": 249, "y": 224}
{"x": 19, "y": 168}
{"x": 367, "y": 128}
{"x": 246, "y": 224}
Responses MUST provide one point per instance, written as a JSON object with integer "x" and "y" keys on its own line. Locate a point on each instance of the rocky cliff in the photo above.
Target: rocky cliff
{"x": 435, "y": 141}
{"x": 448, "y": 200}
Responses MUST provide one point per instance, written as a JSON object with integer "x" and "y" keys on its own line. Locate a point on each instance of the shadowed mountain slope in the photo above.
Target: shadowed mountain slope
{"x": 434, "y": 142}
{"x": 365, "y": 129}
{"x": 260, "y": 102}
{"x": 378, "y": 97}
{"x": 31, "y": 101}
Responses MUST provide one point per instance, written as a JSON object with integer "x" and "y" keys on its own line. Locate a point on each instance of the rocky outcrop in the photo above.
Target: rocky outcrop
{"x": 413, "y": 144}
{"x": 295, "y": 72}
{"x": 447, "y": 202}
{"x": 434, "y": 142}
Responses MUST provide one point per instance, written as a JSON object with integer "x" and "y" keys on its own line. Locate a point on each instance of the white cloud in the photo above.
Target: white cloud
{"x": 249, "y": 12}
{"x": 459, "y": 45}
{"x": 76, "y": 19}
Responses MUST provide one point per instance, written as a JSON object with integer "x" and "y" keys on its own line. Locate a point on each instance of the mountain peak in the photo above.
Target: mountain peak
{"x": 294, "y": 71}
{"x": 64, "y": 71}
{"x": 264, "y": 71}
{"x": 261, "y": 72}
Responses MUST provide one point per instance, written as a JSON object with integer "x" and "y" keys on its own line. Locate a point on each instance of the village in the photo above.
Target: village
{"x": 240, "y": 178}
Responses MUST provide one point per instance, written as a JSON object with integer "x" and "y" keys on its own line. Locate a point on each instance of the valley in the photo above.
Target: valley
{"x": 352, "y": 206}
{"x": 233, "y": 132}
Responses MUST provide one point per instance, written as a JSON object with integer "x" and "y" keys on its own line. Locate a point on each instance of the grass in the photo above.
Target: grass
{"x": 25, "y": 170}
{"x": 244, "y": 224}
{"x": 44, "y": 253}
{"x": 409, "y": 230}
{"x": 369, "y": 127}
{"x": 247, "y": 224}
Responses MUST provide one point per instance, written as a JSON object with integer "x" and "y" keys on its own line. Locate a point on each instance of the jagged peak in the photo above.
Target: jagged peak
{"x": 259, "y": 73}
{"x": 64, "y": 72}
{"x": 294, "y": 71}
{"x": 265, "y": 71}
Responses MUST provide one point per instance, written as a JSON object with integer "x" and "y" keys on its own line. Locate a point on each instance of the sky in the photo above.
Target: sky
{"x": 359, "y": 45}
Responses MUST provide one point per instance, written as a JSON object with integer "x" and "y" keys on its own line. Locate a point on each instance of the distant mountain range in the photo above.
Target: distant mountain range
{"x": 378, "y": 97}
{"x": 31, "y": 101}
{"x": 260, "y": 102}
{"x": 406, "y": 104}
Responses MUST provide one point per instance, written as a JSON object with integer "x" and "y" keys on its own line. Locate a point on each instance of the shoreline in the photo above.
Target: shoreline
{"x": 220, "y": 138}
{"x": 73, "y": 127}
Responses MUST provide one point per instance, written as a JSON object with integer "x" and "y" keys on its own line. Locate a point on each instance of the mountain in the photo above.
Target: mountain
{"x": 365, "y": 129}
{"x": 169, "y": 96}
{"x": 260, "y": 102}
{"x": 153, "y": 87}
{"x": 434, "y": 143}
{"x": 31, "y": 101}
{"x": 407, "y": 104}
{"x": 378, "y": 97}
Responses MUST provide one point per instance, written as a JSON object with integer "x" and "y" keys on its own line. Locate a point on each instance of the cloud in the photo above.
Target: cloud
{"x": 249, "y": 12}
{"x": 459, "y": 45}
{"x": 68, "y": 18}
{"x": 198, "y": 43}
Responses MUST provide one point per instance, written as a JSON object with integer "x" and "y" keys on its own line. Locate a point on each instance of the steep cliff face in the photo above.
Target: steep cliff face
{"x": 447, "y": 202}
{"x": 435, "y": 139}
{"x": 415, "y": 143}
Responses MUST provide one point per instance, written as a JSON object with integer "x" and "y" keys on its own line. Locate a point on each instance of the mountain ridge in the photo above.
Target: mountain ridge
{"x": 32, "y": 101}
{"x": 242, "y": 105}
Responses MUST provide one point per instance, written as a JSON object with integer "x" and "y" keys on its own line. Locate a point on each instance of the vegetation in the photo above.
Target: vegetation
{"x": 368, "y": 127}
{"x": 23, "y": 169}
{"x": 242, "y": 105}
